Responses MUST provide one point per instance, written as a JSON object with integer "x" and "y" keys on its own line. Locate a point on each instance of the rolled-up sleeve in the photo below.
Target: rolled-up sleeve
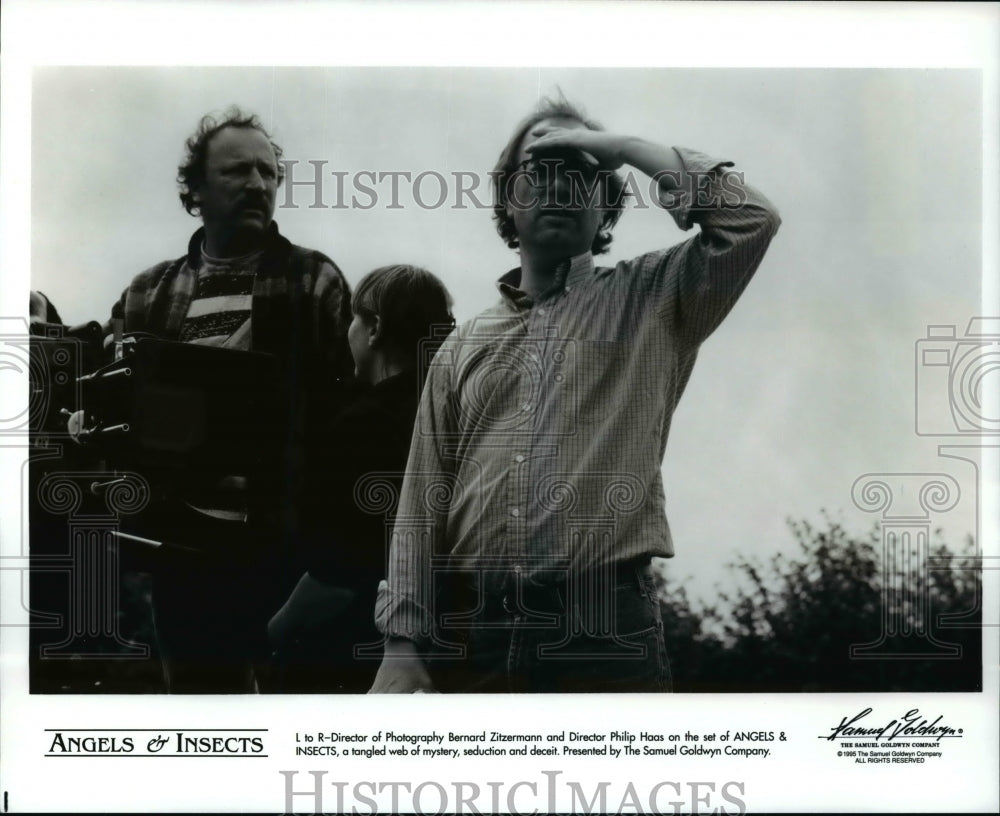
{"x": 703, "y": 277}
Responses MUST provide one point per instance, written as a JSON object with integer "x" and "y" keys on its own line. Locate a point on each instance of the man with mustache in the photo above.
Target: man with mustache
{"x": 533, "y": 501}
{"x": 240, "y": 285}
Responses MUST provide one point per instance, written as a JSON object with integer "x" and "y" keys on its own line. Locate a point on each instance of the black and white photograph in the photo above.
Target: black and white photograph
{"x": 376, "y": 407}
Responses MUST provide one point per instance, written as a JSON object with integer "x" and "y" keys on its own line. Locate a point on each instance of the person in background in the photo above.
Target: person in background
{"x": 324, "y": 636}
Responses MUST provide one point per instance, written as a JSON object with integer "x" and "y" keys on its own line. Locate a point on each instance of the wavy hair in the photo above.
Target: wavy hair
{"x": 191, "y": 172}
{"x": 552, "y": 108}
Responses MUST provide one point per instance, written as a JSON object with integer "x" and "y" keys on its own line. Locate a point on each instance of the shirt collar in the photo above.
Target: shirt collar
{"x": 242, "y": 260}
{"x": 569, "y": 273}
{"x": 272, "y": 239}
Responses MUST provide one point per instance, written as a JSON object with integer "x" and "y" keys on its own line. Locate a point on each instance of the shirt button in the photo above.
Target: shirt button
{"x": 517, "y": 569}
{"x": 519, "y": 458}
{"x": 541, "y": 312}
{"x": 526, "y": 406}
{"x": 515, "y": 513}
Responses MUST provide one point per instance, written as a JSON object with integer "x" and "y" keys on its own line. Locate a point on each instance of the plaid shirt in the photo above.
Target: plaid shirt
{"x": 300, "y": 311}
{"x": 542, "y": 428}
{"x": 301, "y": 303}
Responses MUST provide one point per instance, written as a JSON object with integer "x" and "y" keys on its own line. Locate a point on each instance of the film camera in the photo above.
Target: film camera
{"x": 170, "y": 409}
{"x": 58, "y": 356}
{"x": 184, "y": 417}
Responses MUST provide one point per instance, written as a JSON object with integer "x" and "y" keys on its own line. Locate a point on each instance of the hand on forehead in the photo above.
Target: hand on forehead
{"x": 558, "y": 138}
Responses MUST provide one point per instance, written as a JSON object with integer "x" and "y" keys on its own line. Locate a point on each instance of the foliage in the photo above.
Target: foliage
{"x": 791, "y": 622}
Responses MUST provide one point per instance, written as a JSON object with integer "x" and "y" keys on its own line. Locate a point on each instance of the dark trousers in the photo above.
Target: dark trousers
{"x": 569, "y": 635}
{"x": 211, "y": 603}
{"x": 208, "y": 629}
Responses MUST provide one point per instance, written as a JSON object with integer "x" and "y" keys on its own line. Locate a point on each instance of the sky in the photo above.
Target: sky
{"x": 808, "y": 384}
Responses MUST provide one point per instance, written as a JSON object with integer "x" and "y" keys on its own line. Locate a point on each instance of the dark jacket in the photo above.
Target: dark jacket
{"x": 349, "y": 515}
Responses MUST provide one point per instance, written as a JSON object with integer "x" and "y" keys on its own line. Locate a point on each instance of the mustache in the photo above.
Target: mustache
{"x": 254, "y": 202}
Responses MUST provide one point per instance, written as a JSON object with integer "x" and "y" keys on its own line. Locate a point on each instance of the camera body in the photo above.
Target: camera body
{"x": 58, "y": 356}
{"x": 181, "y": 408}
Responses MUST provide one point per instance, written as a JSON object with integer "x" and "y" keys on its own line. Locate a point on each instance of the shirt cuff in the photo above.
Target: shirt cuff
{"x": 700, "y": 169}
{"x": 398, "y": 616}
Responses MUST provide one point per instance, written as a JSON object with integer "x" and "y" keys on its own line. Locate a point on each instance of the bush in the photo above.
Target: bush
{"x": 791, "y": 622}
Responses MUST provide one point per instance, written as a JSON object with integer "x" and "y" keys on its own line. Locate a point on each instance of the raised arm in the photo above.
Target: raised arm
{"x": 701, "y": 278}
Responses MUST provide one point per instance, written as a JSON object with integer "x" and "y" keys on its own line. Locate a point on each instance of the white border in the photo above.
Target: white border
{"x": 511, "y": 34}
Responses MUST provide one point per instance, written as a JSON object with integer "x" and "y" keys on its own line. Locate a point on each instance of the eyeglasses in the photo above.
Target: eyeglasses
{"x": 541, "y": 171}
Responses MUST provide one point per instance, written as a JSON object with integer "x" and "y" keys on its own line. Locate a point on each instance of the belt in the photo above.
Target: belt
{"x": 544, "y": 594}
{"x": 554, "y": 592}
